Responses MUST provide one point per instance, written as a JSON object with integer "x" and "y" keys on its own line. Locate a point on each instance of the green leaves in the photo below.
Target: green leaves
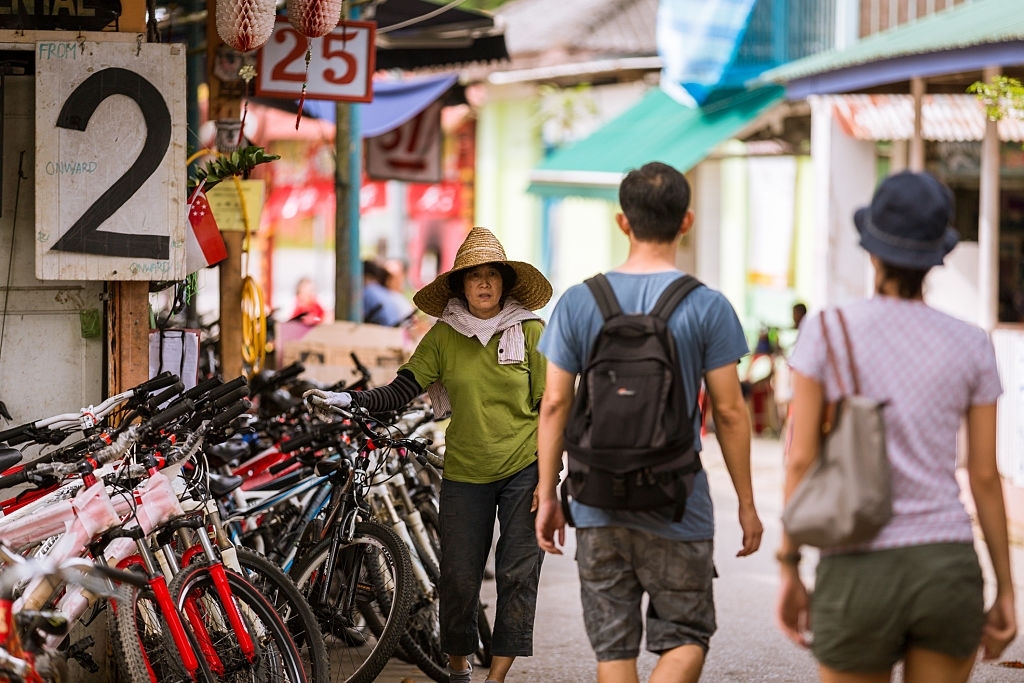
{"x": 237, "y": 163}
{"x": 1002, "y": 96}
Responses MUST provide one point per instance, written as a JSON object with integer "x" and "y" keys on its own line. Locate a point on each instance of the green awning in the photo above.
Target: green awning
{"x": 655, "y": 129}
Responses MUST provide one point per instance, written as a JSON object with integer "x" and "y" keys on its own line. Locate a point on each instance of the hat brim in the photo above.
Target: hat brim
{"x": 532, "y": 289}
{"x": 918, "y": 257}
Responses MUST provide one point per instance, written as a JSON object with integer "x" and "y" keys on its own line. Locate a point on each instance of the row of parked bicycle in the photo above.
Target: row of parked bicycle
{"x": 223, "y": 533}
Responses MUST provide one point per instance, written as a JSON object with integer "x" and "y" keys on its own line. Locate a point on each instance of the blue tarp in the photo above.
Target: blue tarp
{"x": 697, "y": 41}
{"x": 394, "y": 103}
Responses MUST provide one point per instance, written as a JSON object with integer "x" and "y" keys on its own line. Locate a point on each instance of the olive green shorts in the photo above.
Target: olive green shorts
{"x": 868, "y": 609}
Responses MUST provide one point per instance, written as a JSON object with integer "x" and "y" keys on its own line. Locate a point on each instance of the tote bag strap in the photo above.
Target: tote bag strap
{"x": 831, "y": 356}
{"x": 849, "y": 351}
{"x": 829, "y": 416}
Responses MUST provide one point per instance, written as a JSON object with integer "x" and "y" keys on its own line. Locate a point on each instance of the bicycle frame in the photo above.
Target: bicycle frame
{"x": 310, "y": 495}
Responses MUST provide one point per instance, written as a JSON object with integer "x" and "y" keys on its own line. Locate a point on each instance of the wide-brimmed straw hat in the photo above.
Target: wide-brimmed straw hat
{"x": 531, "y": 289}
{"x": 908, "y": 221}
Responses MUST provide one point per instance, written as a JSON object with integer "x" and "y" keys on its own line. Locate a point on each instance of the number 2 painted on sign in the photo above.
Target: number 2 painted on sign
{"x": 84, "y": 237}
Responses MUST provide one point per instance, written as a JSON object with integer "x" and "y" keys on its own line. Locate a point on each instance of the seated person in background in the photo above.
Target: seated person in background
{"x": 307, "y": 309}
{"x": 379, "y": 306}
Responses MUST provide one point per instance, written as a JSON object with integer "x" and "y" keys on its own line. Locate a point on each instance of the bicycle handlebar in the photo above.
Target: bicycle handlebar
{"x": 285, "y": 375}
{"x": 154, "y": 403}
{"x": 87, "y": 417}
{"x": 164, "y": 379}
{"x": 9, "y": 480}
{"x": 228, "y": 414}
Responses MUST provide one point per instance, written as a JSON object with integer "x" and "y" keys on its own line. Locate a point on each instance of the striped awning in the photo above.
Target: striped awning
{"x": 946, "y": 118}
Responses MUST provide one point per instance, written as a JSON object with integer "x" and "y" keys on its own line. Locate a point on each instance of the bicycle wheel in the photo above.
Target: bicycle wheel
{"x": 421, "y": 644}
{"x": 369, "y": 575}
{"x": 144, "y": 647}
{"x": 276, "y": 657}
{"x": 281, "y": 591}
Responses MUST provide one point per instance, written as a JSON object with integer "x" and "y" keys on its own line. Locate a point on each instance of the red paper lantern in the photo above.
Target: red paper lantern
{"x": 314, "y": 18}
{"x": 245, "y": 24}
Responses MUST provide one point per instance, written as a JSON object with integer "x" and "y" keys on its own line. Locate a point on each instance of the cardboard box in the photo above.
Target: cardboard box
{"x": 326, "y": 352}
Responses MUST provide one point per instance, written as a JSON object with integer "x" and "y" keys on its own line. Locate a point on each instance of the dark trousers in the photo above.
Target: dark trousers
{"x": 467, "y": 528}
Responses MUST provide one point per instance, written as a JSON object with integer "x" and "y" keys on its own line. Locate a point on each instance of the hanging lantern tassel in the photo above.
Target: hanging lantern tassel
{"x": 245, "y": 24}
{"x": 305, "y": 80}
{"x": 313, "y": 19}
{"x": 247, "y": 73}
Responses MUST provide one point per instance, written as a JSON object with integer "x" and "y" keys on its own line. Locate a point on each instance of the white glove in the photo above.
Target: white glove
{"x": 321, "y": 401}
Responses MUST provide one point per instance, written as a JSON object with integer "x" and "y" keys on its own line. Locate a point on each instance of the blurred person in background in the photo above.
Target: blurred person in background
{"x": 307, "y": 308}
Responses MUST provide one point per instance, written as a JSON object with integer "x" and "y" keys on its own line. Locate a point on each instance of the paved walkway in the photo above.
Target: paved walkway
{"x": 747, "y": 647}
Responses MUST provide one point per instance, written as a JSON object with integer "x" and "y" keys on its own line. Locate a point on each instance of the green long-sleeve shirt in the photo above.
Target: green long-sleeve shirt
{"x": 493, "y": 429}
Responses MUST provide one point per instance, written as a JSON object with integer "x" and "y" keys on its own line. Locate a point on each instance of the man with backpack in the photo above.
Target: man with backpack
{"x": 635, "y": 490}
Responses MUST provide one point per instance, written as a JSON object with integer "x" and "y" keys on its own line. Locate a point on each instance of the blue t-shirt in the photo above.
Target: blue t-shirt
{"x": 379, "y": 306}
{"x": 708, "y": 335}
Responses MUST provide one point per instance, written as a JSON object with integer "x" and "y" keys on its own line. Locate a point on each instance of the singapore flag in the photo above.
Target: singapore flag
{"x": 204, "y": 245}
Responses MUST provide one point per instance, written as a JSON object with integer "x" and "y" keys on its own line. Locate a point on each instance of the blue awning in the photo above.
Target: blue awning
{"x": 394, "y": 103}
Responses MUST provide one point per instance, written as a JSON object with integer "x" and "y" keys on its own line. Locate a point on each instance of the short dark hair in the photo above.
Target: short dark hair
{"x": 457, "y": 280}
{"x": 909, "y": 281}
{"x": 373, "y": 270}
{"x": 655, "y": 199}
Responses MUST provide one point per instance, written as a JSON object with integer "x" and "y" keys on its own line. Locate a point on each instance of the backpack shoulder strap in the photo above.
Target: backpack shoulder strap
{"x": 603, "y": 294}
{"x": 673, "y": 295}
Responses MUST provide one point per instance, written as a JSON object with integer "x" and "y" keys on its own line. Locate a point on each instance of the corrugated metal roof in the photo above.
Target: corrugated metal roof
{"x": 945, "y": 118}
{"x": 593, "y": 27}
{"x": 982, "y": 22}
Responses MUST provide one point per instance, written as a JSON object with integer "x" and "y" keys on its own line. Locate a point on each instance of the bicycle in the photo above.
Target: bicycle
{"x": 255, "y": 628}
{"x": 358, "y": 578}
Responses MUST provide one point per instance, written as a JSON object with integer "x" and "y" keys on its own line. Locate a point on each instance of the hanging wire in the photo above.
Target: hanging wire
{"x": 415, "y": 20}
{"x": 10, "y": 256}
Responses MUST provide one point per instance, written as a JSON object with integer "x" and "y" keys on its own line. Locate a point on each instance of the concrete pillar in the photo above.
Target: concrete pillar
{"x": 988, "y": 222}
{"x": 844, "y": 169}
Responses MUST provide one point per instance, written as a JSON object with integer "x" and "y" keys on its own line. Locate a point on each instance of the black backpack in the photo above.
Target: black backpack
{"x": 629, "y": 436}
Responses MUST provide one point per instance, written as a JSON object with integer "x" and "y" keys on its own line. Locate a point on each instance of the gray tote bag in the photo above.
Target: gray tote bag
{"x": 845, "y": 497}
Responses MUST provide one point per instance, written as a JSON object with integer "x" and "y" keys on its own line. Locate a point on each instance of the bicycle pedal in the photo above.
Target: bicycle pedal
{"x": 79, "y": 652}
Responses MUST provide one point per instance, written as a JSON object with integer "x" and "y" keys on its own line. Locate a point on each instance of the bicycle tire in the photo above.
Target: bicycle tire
{"x": 281, "y": 591}
{"x": 421, "y": 643}
{"x": 278, "y": 658}
{"x": 358, "y": 655}
{"x": 141, "y": 638}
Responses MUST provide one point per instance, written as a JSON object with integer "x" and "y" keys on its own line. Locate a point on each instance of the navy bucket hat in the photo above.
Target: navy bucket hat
{"x": 908, "y": 221}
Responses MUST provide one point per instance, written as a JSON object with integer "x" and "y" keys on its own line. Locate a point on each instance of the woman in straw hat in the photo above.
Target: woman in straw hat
{"x": 483, "y": 354}
{"x": 914, "y": 592}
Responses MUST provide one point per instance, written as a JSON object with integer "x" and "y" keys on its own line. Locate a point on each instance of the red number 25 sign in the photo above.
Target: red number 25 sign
{"x": 340, "y": 63}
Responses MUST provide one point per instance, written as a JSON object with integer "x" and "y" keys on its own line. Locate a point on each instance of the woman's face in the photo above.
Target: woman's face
{"x": 483, "y": 287}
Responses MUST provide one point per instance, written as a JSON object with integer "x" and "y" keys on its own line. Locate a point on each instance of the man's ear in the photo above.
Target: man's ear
{"x": 623, "y": 223}
{"x": 687, "y": 223}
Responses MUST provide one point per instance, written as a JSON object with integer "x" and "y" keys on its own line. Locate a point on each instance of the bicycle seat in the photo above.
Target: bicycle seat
{"x": 229, "y": 452}
{"x": 9, "y": 457}
{"x": 223, "y": 484}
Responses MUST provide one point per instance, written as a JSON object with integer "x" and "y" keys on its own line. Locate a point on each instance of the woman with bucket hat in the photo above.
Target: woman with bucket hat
{"x": 913, "y": 592}
{"x": 482, "y": 354}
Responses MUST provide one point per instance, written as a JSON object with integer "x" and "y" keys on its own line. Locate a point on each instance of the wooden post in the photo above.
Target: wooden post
{"x": 128, "y": 305}
{"x": 226, "y": 91}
